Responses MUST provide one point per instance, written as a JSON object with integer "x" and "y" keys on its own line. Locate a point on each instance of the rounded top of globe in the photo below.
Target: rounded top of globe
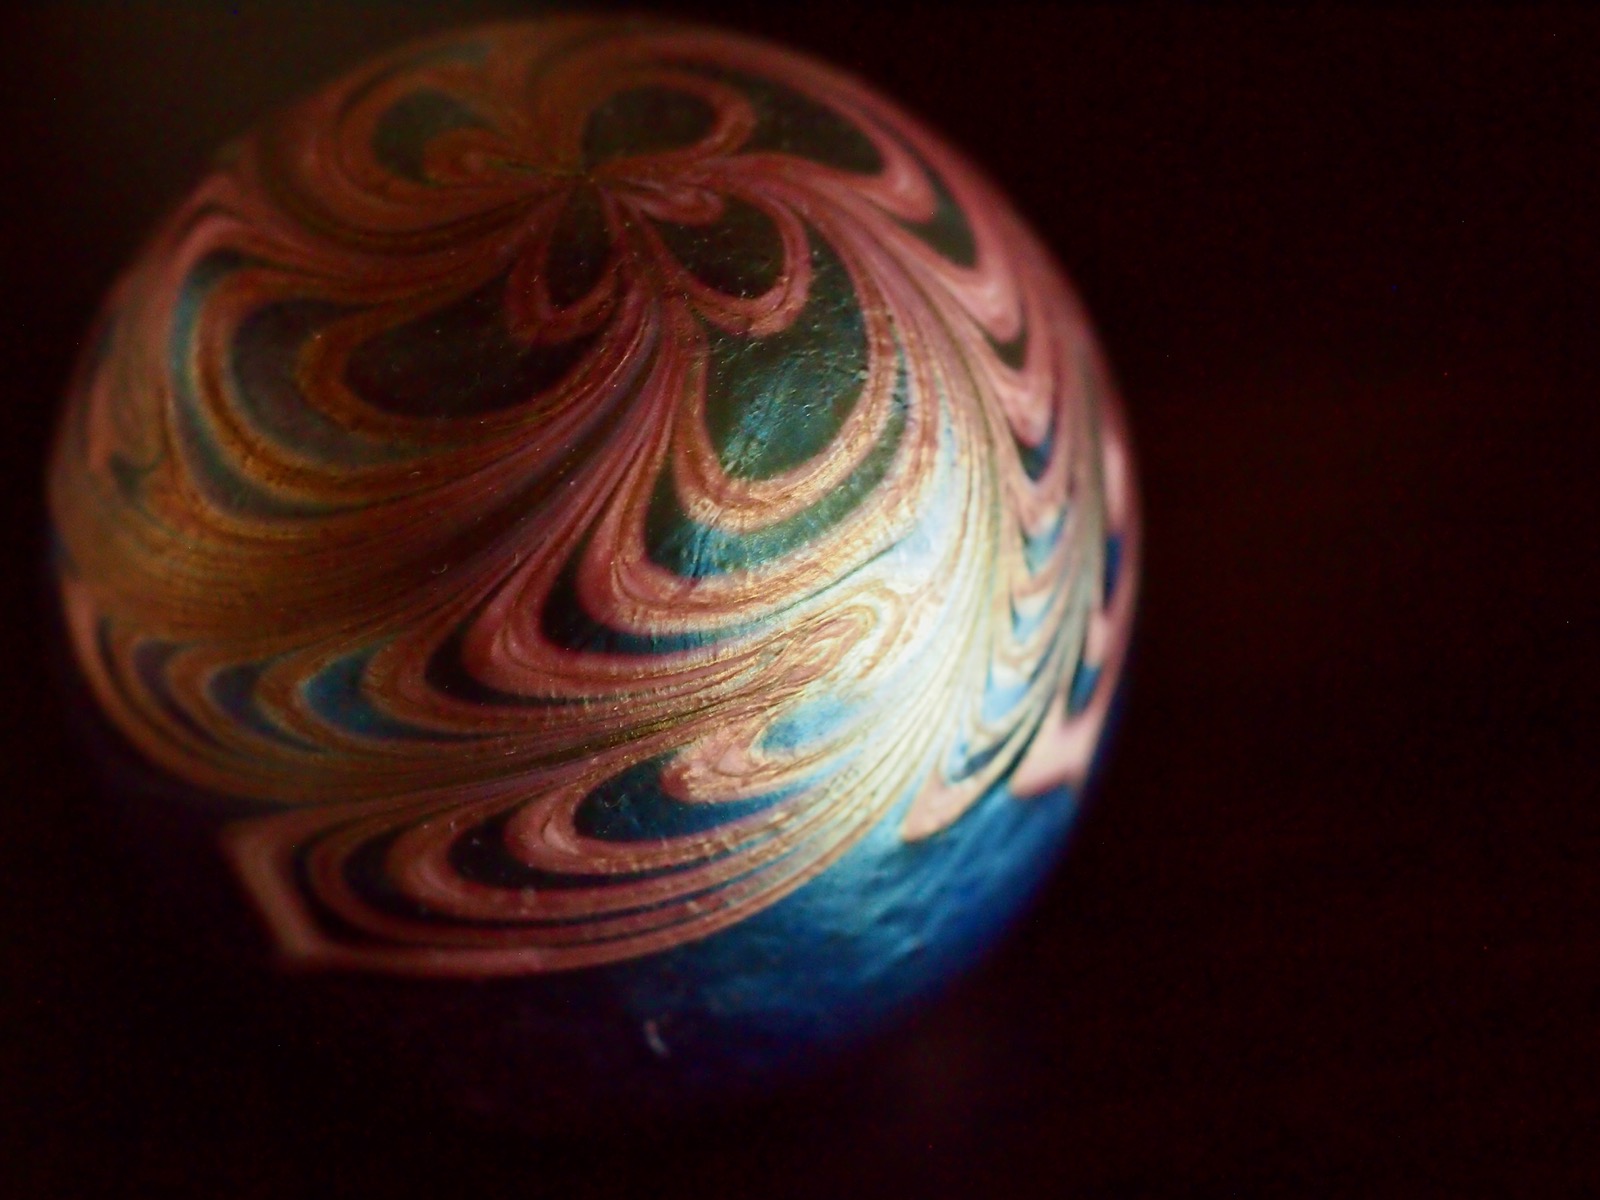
{"x": 565, "y": 483}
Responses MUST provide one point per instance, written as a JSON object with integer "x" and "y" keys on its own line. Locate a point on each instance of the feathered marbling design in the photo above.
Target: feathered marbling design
{"x": 569, "y": 482}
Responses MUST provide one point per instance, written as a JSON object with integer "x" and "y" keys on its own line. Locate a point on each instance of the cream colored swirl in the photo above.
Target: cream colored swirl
{"x": 584, "y": 475}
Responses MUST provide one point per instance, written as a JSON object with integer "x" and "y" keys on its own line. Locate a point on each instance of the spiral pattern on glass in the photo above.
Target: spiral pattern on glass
{"x": 564, "y": 483}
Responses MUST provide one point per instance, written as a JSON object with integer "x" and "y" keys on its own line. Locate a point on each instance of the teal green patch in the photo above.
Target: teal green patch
{"x": 772, "y": 403}
{"x": 693, "y": 550}
{"x": 337, "y": 695}
{"x": 739, "y": 254}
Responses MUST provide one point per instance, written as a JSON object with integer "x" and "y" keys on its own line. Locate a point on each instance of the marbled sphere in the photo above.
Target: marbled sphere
{"x": 614, "y": 509}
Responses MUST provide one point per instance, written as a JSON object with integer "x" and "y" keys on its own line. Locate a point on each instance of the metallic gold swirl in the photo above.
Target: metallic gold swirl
{"x": 579, "y": 477}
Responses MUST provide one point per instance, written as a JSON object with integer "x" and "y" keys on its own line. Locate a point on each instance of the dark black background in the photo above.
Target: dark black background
{"x": 1332, "y": 924}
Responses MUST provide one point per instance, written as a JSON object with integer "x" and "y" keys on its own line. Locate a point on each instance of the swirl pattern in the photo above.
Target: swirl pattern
{"x": 565, "y": 483}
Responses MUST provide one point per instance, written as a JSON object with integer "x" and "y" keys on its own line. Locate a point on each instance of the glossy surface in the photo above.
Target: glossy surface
{"x": 1330, "y": 914}
{"x": 586, "y": 493}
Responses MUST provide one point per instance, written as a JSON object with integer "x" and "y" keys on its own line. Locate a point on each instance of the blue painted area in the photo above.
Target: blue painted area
{"x": 149, "y": 661}
{"x": 233, "y": 690}
{"x": 817, "y": 721}
{"x": 1113, "y": 565}
{"x": 1036, "y": 459}
{"x": 567, "y": 624}
{"x": 1026, "y": 622}
{"x": 829, "y": 964}
{"x": 1081, "y": 690}
{"x": 336, "y": 695}
{"x": 1001, "y": 699}
{"x": 1038, "y": 547}
{"x": 212, "y": 471}
{"x": 631, "y": 807}
{"x": 888, "y": 924}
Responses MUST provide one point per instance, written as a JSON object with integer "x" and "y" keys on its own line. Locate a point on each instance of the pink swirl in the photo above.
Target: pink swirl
{"x": 583, "y": 476}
